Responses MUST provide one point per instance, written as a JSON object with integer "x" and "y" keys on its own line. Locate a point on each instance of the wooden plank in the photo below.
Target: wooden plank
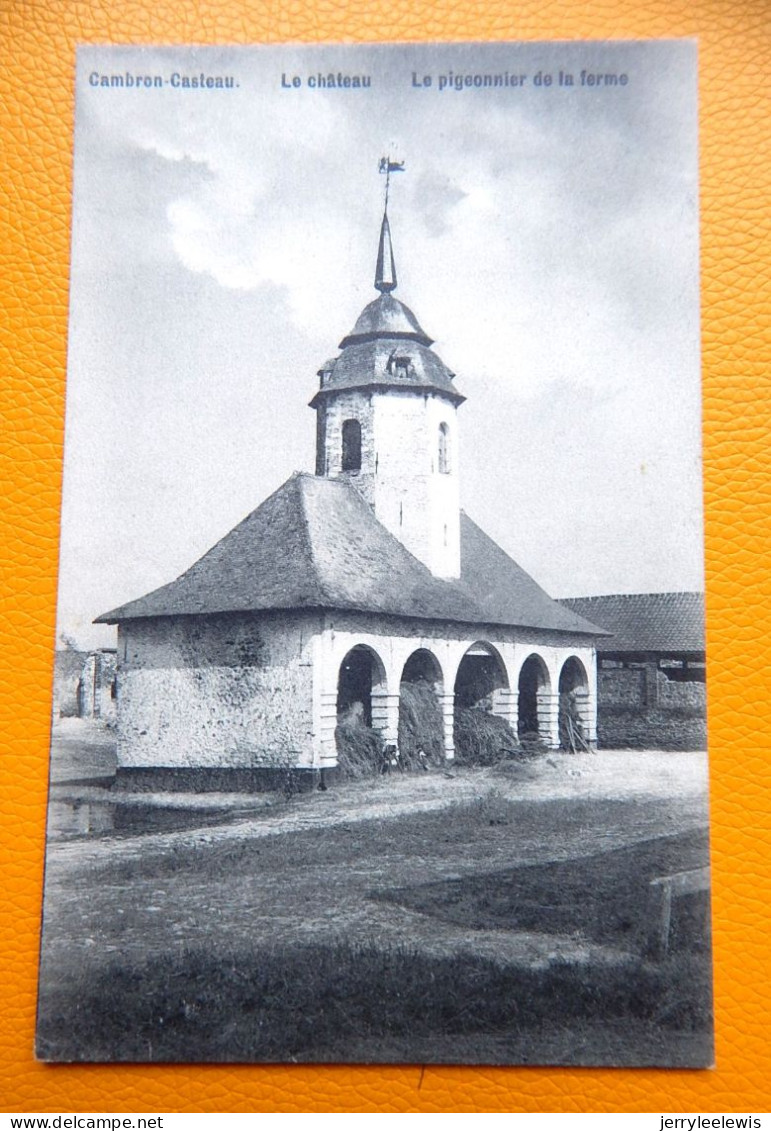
{"x": 662, "y": 891}
{"x": 685, "y": 883}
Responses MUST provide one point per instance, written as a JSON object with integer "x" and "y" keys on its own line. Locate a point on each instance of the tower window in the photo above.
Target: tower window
{"x": 444, "y": 448}
{"x": 351, "y": 445}
{"x": 399, "y": 365}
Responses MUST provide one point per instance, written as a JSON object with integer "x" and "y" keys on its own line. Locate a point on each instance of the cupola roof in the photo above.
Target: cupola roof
{"x": 386, "y": 317}
{"x": 387, "y": 346}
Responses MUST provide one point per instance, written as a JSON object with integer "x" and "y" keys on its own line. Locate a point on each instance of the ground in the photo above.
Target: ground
{"x": 473, "y": 915}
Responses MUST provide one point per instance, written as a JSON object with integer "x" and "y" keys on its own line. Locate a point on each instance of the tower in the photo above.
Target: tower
{"x": 386, "y": 413}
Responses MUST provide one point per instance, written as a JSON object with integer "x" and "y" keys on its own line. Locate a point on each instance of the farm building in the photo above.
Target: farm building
{"x": 345, "y": 586}
{"x": 84, "y": 684}
{"x": 651, "y": 689}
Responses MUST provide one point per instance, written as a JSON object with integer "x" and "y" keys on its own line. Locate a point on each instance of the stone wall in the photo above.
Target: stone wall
{"x": 394, "y": 640}
{"x": 96, "y": 698}
{"x": 621, "y": 687}
{"x": 249, "y": 693}
{"x": 677, "y": 694}
{"x": 230, "y": 691}
{"x": 68, "y": 664}
{"x": 399, "y": 474}
{"x": 332, "y": 414}
{"x": 650, "y": 730}
{"x": 642, "y": 708}
{"x": 83, "y": 684}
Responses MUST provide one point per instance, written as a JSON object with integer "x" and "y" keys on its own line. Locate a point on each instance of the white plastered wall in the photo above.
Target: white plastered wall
{"x": 413, "y": 499}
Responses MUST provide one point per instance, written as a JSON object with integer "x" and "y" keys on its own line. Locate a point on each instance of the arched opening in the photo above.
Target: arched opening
{"x": 361, "y": 673}
{"x": 361, "y": 689}
{"x": 482, "y": 732}
{"x": 574, "y": 705}
{"x": 421, "y": 723}
{"x": 444, "y": 448}
{"x": 481, "y": 673}
{"x": 351, "y": 445}
{"x": 534, "y": 690}
{"x": 573, "y": 676}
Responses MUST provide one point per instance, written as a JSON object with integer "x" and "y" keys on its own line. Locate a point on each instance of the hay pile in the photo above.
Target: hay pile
{"x": 359, "y": 747}
{"x": 571, "y": 727}
{"x": 361, "y": 750}
{"x": 420, "y": 726}
{"x": 482, "y": 739}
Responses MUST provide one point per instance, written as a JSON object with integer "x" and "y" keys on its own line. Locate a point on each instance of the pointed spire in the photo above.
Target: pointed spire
{"x": 385, "y": 272}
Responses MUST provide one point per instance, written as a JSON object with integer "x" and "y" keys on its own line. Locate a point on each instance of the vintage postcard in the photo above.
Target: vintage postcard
{"x": 379, "y": 709}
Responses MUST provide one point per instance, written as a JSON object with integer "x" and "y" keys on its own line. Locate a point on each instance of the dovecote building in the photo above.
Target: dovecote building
{"x": 343, "y": 585}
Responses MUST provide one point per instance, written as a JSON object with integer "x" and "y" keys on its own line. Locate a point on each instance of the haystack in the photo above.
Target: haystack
{"x": 483, "y": 739}
{"x": 420, "y": 726}
{"x": 359, "y": 747}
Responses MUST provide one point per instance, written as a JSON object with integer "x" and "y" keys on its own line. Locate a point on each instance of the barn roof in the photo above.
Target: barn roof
{"x": 315, "y": 543}
{"x": 646, "y": 622}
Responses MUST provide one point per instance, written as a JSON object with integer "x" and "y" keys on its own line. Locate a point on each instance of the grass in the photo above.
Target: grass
{"x": 300, "y": 1002}
{"x": 602, "y": 898}
{"x": 452, "y": 833}
{"x": 232, "y": 950}
{"x": 492, "y": 808}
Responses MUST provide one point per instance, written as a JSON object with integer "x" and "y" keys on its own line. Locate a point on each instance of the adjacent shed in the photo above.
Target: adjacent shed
{"x": 651, "y": 677}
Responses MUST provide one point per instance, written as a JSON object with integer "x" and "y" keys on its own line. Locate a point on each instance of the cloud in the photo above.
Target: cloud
{"x": 539, "y": 246}
{"x": 222, "y": 247}
{"x": 434, "y": 197}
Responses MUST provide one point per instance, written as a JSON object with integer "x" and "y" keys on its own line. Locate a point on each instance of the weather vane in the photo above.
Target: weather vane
{"x": 387, "y": 166}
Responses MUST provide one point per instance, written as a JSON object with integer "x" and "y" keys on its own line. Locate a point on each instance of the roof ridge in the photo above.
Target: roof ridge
{"x": 454, "y": 584}
{"x": 316, "y": 543}
{"x": 361, "y": 502}
{"x": 304, "y": 479}
{"x": 520, "y": 576}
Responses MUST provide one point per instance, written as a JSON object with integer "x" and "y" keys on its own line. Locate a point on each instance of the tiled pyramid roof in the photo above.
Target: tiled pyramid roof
{"x": 646, "y": 622}
{"x": 315, "y": 543}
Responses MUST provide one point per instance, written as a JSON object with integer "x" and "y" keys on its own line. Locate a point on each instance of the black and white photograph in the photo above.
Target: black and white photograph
{"x": 379, "y": 705}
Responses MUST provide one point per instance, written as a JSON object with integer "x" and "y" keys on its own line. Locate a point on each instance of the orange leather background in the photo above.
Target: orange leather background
{"x": 37, "y": 41}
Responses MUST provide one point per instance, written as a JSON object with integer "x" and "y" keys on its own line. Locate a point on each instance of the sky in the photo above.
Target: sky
{"x": 224, "y": 242}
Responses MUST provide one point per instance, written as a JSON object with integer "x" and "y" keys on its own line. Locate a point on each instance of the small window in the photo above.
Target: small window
{"x": 444, "y": 449}
{"x": 400, "y": 365}
{"x": 351, "y": 445}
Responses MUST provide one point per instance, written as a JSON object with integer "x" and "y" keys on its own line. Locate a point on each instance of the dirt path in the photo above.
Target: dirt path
{"x": 310, "y": 872}
{"x": 623, "y": 775}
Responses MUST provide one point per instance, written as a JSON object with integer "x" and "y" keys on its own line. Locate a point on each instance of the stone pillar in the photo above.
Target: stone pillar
{"x": 385, "y": 716}
{"x": 447, "y": 703}
{"x": 327, "y": 725}
{"x": 587, "y": 716}
{"x": 651, "y": 684}
{"x": 548, "y": 718}
{"x": 97, "y": 686}
{"x": 505, "y": 704}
